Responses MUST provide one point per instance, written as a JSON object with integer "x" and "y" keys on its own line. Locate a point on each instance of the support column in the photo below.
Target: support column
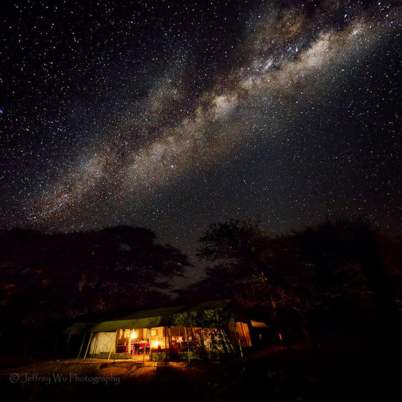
{"x": 88, "y": 345}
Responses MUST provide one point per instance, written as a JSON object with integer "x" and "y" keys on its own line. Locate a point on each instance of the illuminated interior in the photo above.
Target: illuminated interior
{"x": 161, "y": 343}
{"x": 140, "y": 342}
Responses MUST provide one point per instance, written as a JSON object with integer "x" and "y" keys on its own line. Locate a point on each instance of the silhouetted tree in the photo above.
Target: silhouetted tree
{"x": 346, "y": 259}
{"x": 244, "y": 269}
{"x": 330, "y": 274}
{"x": 48, "y": 278}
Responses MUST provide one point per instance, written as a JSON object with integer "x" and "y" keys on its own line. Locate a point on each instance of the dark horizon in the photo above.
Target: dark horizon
{"x": 196, "y": 271}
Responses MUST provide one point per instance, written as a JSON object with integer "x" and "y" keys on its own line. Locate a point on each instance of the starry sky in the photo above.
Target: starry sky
{"x": 177, "y": 114}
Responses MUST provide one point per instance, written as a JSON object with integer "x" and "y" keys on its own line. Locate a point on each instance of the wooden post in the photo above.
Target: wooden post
{"x": 203, "y": 348}
{"x": 169, "y": 341}
{"x": 240, "y": 348}
{"x": 188, "y": 345}
{"x": 89, "y": 343}
{"x": 143, "y": 355}
{"x": 82, "y": 345}
{"x": 166, "y": 343}
{"x": 95, "y": 345}
{"x": 226, "y": 341}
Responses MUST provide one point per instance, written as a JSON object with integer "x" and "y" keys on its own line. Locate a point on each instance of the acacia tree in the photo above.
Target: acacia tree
{"x": 334, "y": 265}
{"x": 235, "y": 251}
{"x": 47, "y": 279}
{"x": 85, "y": 271}
{"x": 243, "y": 268}
{"x": 346, "y": 260}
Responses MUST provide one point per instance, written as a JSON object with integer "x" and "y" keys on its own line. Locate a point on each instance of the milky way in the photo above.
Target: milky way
{"x": 283, "y": 59}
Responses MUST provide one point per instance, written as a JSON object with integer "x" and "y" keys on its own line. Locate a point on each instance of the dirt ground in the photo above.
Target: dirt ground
{"x": 283, "y": 376}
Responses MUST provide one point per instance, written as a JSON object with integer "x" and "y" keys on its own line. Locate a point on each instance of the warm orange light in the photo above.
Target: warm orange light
{"x": 134, "y": 335}
{"x": 155, "y": 344}
{"x": 258, "y": 324}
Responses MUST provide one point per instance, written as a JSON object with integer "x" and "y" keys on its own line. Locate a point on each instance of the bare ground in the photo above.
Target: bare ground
{"x": 285, "y": 375}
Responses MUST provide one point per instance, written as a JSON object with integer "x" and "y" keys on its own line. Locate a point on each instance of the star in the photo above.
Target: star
{"x": 200, "y": 112}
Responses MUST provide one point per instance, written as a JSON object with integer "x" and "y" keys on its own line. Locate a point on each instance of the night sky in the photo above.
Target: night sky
{"x": 176, "y": 114}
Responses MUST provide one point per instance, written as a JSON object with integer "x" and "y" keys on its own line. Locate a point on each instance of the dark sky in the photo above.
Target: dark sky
{"x": 176, "y": 114}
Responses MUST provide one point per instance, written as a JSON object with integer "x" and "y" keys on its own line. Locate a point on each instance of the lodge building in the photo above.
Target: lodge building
{"x": 210, "y": 330}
